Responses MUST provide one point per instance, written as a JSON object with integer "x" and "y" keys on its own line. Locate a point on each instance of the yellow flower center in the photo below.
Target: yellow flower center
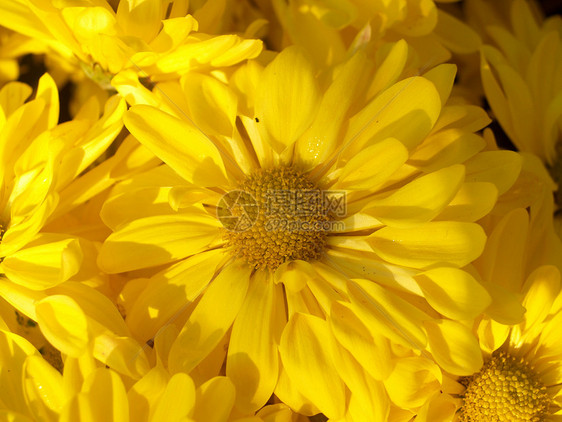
{"x": 278, "y": 215}
{"x": 506, "y": 389}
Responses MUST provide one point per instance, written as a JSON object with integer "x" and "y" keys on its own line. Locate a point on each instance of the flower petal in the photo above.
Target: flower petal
{"x": 180, "y": 145}
{"x": 454, "y": 347}
{"x": 372, "y": 353}
{"x": 413, "y": 381}
{"x": 406, "y": 111}
{"x": 156, "y": 240}
{"x": 63, "y": 324}
{"x": 177, "y": 401}
{"x": 430, "y": 244}
{"x": 169, "y": 292}
{"x": 420, "y": 200}
{"x": 287, "y": 97}
{"x": 373, "y": 166}
{"x": 207, "y": 407}
{"x": 47, "y": 261}
{"x": 453, "y": 292}
{"x": 544, "y": 287}
{"x": 206, "y": 327}
{"x": 252, "y": 362}
{"x": 306, "y": 350}
{"x": 103, "y": 399}
{"x": 472, "y": 202}
{"x": 385, "y": 313}
{"x": 45, "y": 391}
{"x": 498, "y": 167}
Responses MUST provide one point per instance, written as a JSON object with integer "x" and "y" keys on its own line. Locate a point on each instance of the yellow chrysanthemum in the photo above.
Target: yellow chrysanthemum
{"x": 520, "y": 70}
{"x": 414, "y": 180}
{"x": 92, "y": 41}
{"x": 519, "y": 379}
{"x": 49, "y": 171}
{"x": 86, "y": 391}
{"x": 330, "y": 30}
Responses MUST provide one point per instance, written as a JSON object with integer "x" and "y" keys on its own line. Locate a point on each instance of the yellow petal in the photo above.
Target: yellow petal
{"x": 20, "y": 297}
{"x": 184, "y": 148}
{"x": 420, "y": 200}
{"x": 442, "y": 407}
{"x": 44, "y": 388}
{"x": 503, "y": 259}
{"x": 368, "y": 399}
{"x": 413, "y": 381}
{"x": 544, "y": 287}
{"x": 390, "y": 69}
{"x": 306, "y": 350}
{"x": 385, "y": 313}
{"x": 279, "y": 412}
{"x": 454, "y": 347}
{"x": 453, "y": 293}
{"x": 288, "y": 393}
{"x": 372, "y": 353}
{"x": 146, "y": 392}
{"x": 103, "y": 399}
{"x": 13, "y": 351}
{"x": 506, "y": 306}
{"x": 472, "y": 202}
{"x": 430, "y": 244}
{"x": 140, "y": 18}
{"x": 492, "y": 335}
{"x": 207, "y": 407}
{"x": 252, "y": 363}
{"x": 48, "y": 91}
{"x": 442, "y": 77}
{"x": 12, "y": 96}
{"x": 318, "y": 143}
{"x": 157, "y": 240}
{"x": 169, "y": 292}
{"x": 373, "y": 166}
{"x": 287, "y": 97}
{"x": 206, "y": 327}
{"x": 177, "y": 401}
{"x": 446, "y": 147}
{"x": 406, "y": 111}
{"x": 49, "y": 260}
{"x": 498, "y": 167}
{"x": 456, "y": 35}
{"x": 63, "y": 324}
{"x": 294, "y": 275}
{"x": 207, "y": 97}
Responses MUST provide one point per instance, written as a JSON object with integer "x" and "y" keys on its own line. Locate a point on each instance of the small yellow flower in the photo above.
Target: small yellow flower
{"x": 520, "y": 70}
{"x": 414, "y": 180}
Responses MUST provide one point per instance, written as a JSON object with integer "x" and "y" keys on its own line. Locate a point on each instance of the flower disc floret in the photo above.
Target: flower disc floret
{"x": 289, "y": 220}
{"x": 505, "y": 389}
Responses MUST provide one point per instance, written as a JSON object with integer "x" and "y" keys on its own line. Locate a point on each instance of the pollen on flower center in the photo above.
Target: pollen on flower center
{"x": 289, "y": 221}
{"x": 506, "y": 389}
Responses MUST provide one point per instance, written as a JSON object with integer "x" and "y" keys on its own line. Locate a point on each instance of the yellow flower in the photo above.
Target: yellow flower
{"x": 518, "y": 380}
{"x": 88, "y": 391}
{"x": 138, "y": 33}
{"x": 331, "y": 30}
{"x": 414, "y": 184}
{"x": 520, "y": 67}
{"x": 520, "y": 377}
{"x": 93, "y": 42}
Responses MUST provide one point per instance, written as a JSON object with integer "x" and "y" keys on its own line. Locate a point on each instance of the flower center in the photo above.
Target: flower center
{"x": 277, "y": 216}
{"x": 506, "y": 389}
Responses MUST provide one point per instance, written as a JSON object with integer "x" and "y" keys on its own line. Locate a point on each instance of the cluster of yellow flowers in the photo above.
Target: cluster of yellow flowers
{"x": 280, "y": 211}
